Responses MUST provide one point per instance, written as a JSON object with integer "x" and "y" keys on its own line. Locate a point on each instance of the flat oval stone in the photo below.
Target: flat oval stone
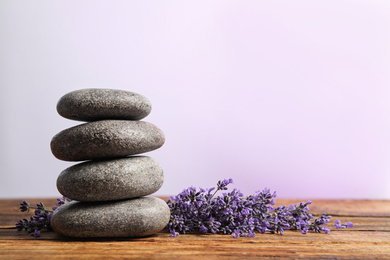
{"x": 124, "y": 218}
{"x": 123, "y": 178}
{"x": 99, "y": 104}
{"x": 106, "y": 139}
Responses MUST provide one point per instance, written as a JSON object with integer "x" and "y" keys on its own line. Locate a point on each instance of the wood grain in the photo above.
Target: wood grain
{"x": 368, "y": 239}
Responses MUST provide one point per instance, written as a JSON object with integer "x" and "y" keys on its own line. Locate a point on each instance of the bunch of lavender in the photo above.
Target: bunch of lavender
{"x": 41, "y": 218}
{"x": 231, "y": 213}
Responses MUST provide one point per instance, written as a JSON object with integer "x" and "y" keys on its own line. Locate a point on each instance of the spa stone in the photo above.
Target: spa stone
{"x": 125, "y": 218}
{"x": 117, "y": 179}
{"x": 99, "y": 104}
{"x": 106, "y": 139}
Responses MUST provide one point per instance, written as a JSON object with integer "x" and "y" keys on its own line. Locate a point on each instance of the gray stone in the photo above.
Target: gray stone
{"x": 125, "y": 218}
{"x": 99, "y": 104}
{"x": 123, "y": 178}
{"x": 106, "y": 139}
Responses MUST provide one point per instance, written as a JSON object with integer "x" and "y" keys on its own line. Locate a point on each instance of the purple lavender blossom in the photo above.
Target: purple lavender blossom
{"x": 231, "y": 213}
{"x": 36, "y": 233}
{"x": 40, "y": 220}
{"x": 338, "y": 225}
{"x": 24, "y": 206}
{"x": 221, "y": 185}
{"x": 348, "y": 225}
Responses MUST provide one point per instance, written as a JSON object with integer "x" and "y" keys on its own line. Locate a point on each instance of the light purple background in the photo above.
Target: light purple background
{"x": 290, "y": 95}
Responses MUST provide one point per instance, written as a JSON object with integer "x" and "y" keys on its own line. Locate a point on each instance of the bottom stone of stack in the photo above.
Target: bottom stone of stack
{"x": 125, "y": 218}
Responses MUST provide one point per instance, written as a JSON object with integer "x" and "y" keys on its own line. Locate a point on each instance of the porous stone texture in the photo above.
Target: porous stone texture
{"x": 106, "y": 139}
{"x": 125, "y": 218}
{"x": 99, "y": 104}
{"x": 111, "y": 180}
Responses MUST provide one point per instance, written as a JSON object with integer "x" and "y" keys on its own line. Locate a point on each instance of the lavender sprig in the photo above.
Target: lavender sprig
{"x": 338, "y": 224}
{"x": 41, "y": 218}
{"x": 231, "y": 213}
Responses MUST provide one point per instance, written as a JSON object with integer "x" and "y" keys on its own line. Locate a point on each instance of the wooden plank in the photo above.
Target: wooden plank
{"x": 374, "y": 208}
{"x": 292, "y": 244}
{"x": 369, "y": 238}
{"x": 10, "y": 212}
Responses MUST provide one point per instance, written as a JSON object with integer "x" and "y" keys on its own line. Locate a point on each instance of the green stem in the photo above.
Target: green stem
{"x": 215, "y": 192}
{"x": 46, "y": 210}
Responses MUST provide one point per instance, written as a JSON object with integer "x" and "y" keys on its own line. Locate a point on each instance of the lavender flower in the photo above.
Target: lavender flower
{"x": 24, "y": 206}
{"x": 338, "y": 224}
{"x": 40, "y": 220}
{"x": 221, "y": 185}
{"x": 202, "y": 211}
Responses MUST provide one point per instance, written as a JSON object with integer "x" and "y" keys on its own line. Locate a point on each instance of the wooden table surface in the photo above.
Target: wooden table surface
{"x": 368, "y": 239}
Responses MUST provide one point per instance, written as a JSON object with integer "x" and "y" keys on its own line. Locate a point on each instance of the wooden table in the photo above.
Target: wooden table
{"x": 368, "y": 239}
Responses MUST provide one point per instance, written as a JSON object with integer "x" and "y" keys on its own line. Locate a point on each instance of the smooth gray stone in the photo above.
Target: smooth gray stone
{"x": 123, "y": 178}
{"x": 99, "y": 104}
{"x": 106, "y": 139}
{"x": 125, "y": 218}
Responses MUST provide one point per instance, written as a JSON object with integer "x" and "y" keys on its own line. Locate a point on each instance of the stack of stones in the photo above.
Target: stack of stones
{"x": 108, "y": 189}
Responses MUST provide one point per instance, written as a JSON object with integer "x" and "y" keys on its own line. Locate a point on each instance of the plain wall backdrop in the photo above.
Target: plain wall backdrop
{"x": 289, "y": 95}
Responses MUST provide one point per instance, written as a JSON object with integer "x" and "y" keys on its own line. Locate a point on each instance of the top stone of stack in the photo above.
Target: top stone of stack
{"x": 100, "y": 104}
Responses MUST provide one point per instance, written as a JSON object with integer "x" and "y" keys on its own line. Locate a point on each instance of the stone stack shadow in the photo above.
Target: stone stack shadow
{"x": 108, "y": 189}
